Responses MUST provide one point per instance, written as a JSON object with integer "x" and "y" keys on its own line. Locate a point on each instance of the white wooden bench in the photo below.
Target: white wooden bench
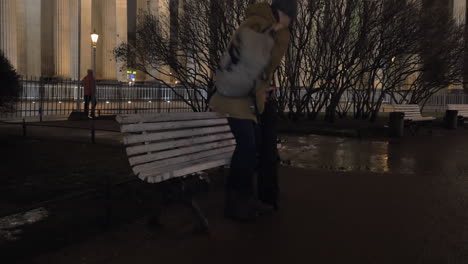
{"x": 461, "y": 108}
{"x": 168, "y": 147}
{"x": 413, "y": 115}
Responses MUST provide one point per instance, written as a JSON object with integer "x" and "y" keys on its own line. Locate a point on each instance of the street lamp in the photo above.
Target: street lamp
{"x": 94, "y": 40}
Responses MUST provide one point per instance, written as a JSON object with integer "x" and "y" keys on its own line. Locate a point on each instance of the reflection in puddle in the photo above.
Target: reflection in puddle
{"x": 337, "y": 154}
{"x": 10, "y": 226}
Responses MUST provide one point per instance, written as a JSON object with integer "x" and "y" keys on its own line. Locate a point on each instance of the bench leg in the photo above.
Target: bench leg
{"x": 187, "y": 200}
{"x": 108, "y": 202}
{"x": 156, "y": 206}
{"x": 202, "y": 220}
{"x": 413, "y": 128}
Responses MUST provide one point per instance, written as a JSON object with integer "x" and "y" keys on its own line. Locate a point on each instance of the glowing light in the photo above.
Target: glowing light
{"x": 34, "y": 102}
{"x": 129, "y": 102}
{"x": 107, "y": 102}
{"x": 60, "y": 102}
{"x": 168, "y": 102}
{"x": 150, "y": 102}
{"x": 94, "y": 38}
{"x": 393, "y": 59}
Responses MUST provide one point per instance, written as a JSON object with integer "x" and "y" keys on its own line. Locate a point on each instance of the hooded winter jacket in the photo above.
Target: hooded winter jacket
{"x": 259, "y": 17}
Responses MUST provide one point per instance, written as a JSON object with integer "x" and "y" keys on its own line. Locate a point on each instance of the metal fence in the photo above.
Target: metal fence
{"x": 439, "y": 102}
{"x": 53, "y": 97}
{"x": 49, "y": 97}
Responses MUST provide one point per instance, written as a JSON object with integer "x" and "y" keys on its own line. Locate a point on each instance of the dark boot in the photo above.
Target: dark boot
{"x": 240, "y": 207}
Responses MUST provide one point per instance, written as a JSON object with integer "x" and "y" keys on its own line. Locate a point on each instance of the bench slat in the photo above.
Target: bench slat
{"x": 135, "y": 150}
{"x": 180, "y": 152}
{"x": 168, "y": 145}
{"x": 406, "y": 106}
{"x": 172, "y": 125}
{"x": 416, "y": 108}
{"x": 168, "y": 173}
{"x": 164, "y": 117}
{"x": 183, "y": 159}
{"x": 461, "y": 108}
{"x": 133, "y": 139}
{"x": 423, "y": 119}
{"x": 457, "y": 106}
{"x": 407, "y": 110}
{"x": 412, "y": 112}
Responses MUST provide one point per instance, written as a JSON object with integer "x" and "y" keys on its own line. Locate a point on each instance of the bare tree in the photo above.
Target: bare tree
{"x": 10, "y": 88}
{"x": 295, "y": 75}
{"x": 344, "y": 55}
{"x": 321, "y": 62}
{"x": 185, "y": 45}
{"x": 339, "y": 38}
{"x": 390, "y": 53}
{"x": 441, "y": 55}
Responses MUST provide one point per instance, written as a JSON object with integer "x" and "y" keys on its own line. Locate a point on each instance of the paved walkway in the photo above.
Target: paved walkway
{"x": 400, "y": 201}
{"x": 325, "y": 217}
{"x": 107, "y": 131}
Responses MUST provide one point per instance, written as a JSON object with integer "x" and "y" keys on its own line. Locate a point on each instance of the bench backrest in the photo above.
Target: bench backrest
{"x": 461, "y": 108}
{"x": 412, "y": 111}
{"x": 165, "y": 146}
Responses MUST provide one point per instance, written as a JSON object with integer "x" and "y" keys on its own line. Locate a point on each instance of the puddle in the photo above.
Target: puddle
{"x": 349, "y": 154}
{"x": 11, "y": 226}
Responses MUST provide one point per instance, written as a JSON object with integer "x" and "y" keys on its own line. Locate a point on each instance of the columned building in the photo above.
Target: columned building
{"x": 447, "y": 9}
{"x": 51, "y": 38}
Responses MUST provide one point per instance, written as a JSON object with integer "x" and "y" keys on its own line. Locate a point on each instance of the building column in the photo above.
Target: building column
{"x": 33, "y": 35}
{"x": 465, "y": 72}
{"x": 21, "y": 36}
{"x": 459, "y": 10}
{"x": 96, "y": 25}
{"x": 86, "y": 30}
{"x": 80, "y": 38}
{"x": 107, "y": 40}
{"x": 121, "y": 36}
{"x": 8, "y": 31}
{"x": 75, "y": 37}
{"x": 62, "y": 38}
{"x": 47, "y": 38}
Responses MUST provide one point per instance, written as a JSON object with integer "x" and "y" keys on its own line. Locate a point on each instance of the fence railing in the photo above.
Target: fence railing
{"x": 42, "y": 97}
{"x": 52, "y": 97}
{"x": 439, "y": 102}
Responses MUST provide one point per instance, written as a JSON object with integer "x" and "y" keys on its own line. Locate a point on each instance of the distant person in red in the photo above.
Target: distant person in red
{"x": 89, "y": 85}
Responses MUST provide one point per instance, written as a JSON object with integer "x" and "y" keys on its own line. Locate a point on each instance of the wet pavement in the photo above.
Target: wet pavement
{"x": 343, "y": 200}
{"x": 445, "y": 152}
{"x": 12, "y": 226}
{"x": 325, "y": 217}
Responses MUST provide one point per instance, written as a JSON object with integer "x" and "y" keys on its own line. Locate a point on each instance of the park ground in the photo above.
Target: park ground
{"x": 343, "y": 200}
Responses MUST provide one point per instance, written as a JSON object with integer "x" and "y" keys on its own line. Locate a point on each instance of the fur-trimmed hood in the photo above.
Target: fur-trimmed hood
{"x": 262, "y": 10}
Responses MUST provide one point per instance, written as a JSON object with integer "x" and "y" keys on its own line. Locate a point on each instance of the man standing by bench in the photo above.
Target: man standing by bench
{"x": 252, "y": 116}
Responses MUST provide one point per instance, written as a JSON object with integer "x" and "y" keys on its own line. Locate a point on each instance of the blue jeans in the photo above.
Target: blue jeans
{"x": 244, "y": 161}
{"x": 256, "y": 152}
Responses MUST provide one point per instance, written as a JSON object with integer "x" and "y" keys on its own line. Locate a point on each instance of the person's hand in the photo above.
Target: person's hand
{"x": 271, "y": 92}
